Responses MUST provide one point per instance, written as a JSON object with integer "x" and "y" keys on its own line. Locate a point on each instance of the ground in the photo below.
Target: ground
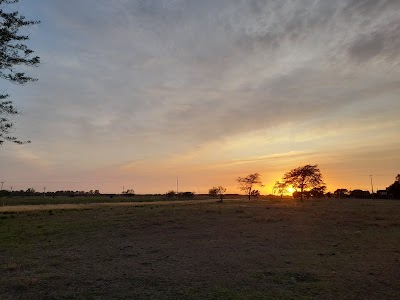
{"x": 270, "y": 249}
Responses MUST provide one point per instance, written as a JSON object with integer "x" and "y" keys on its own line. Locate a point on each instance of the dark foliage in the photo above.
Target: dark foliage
{"x": 217, "y": 191}
{"x": 13, "y": 52}
{"x": 360, "y": 194}
{"x": 305, "y": 179}
{"x": 247, "y": 183}
{"x": 394, "y": 189}
{"x": 341, "y": 193}
{"x": 170, "y": 194}
{"x": 186, "y": 195}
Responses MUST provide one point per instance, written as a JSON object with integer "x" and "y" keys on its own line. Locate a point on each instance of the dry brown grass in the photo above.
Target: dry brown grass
{"x": 327, "y": 249}
{"x": 42, "y": 207}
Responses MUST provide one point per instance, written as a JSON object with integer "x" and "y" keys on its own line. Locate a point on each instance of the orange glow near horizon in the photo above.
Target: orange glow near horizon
{"x": 290, "y": 190}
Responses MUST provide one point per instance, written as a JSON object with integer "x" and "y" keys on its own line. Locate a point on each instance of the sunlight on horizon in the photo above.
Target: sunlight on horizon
{"x": 290, "y": 191}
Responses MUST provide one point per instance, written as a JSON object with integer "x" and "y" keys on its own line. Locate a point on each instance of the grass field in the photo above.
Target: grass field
{"x": 39, "y": 200}
{"x": 317, "y": 249}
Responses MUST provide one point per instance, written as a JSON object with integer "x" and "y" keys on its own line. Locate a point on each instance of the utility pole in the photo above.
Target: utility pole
{"x": 2, "y": 185}
{"x": 44, "y": 192}
{"x": 123, "y": 189}
{"x": 177, "y": 186}
{"x": 372, "y": 186}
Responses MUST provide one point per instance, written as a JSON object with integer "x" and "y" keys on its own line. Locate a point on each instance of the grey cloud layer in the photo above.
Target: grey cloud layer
{"x": 196, "y": 71}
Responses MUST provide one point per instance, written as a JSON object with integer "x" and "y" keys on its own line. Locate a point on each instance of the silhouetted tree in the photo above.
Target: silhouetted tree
{"x": 360, "y": 194}
{"x": 170, "y": 194}
{"x": 217, "y": 191}
{"x": 30, "y": 192}
{"x": 296, "y": 194}
{"x": 304, "y": 178}
{"x": 280, "y": 187}
{"x": 13, "y": 52}
{"x": 247, "y": 183}
{"x": 129, "y": 193}
{"x": 186, "y": 195}
{"x": 255, "y": 193}
{"x": 394, "y": 189}
{"x": 341, "y": 193}
{"x": 7, "y": 110}
{"x": 317, "y": 192}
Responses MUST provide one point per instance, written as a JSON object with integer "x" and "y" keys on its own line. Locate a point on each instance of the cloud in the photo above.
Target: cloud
{"x": 149, "y": 79}
{"x": 261, "y": 51}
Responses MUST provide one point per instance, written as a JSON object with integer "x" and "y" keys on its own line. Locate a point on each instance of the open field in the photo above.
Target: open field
{"x": 94, "y": 205}
{"x": 40, "y": 200}
{"x": 317, "y": 249}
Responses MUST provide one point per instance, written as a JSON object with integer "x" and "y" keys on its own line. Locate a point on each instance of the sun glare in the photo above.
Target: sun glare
{"x": 290, "y": 190}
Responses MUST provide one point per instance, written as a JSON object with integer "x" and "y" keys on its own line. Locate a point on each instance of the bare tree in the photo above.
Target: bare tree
{"x": 247, "y": 183}
{"x": 280, "y": 187}
{"x": 304, "y": 178}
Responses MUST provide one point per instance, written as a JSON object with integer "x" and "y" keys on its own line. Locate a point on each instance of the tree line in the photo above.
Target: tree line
{"x": 305, "y": 182}
{"x": 32, "y": 192}
{"x": 391, "y": 192}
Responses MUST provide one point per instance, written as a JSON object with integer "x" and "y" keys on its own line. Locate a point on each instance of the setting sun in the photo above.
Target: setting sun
{"x": 290, "y": 190}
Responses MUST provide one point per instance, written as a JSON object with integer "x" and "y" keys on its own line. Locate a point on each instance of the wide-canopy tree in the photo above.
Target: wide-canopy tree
{"x": 304, "y": 178}
{"x": 13, "y": 52}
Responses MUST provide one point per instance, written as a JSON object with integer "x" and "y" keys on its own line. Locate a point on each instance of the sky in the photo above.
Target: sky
{"x": 137, "y": 93}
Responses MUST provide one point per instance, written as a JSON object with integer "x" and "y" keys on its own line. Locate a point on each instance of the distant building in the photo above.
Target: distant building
{"x": 360, "y": 194}
{"x": 382, "y": 193}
